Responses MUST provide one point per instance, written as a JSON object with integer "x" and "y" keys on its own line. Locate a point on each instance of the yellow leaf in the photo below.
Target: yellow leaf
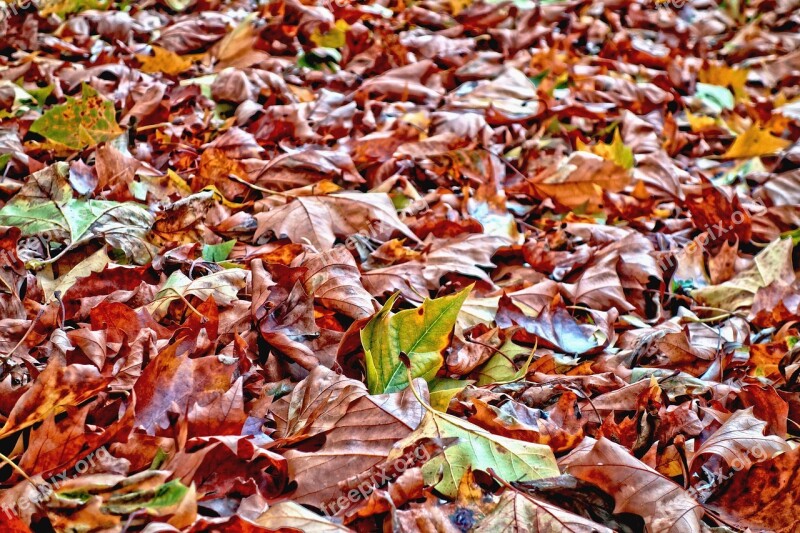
{"x": 725, "y": 76}
{"x": 700, "y": 122}
{"x": 221, "y": 198}
{"x": 64, "y": 7}
{"x": 754, "y": 142}
{"x": 616, "y": 151}
{"x": 333, "y": 38}
{"x": 457, "y": 6}
{"x": 165, "y": 61}
{"x": 581, "y": 178}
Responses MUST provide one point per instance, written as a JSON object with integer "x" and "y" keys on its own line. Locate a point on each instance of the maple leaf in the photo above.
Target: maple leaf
{"x": 421, "y": 333}
{"x": 80, "y": 123}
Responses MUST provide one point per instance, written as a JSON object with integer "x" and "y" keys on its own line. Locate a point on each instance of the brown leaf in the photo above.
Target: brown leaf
{"x": 636, "y": 488}
{"x": 355, "y": 425}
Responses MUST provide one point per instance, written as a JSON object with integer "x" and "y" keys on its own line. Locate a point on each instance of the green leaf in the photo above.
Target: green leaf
{"x": 41, "y": 94}
{"x": 178, "y": 5}
{"x": 167, "y": 495}
{"x": 4, "y": 159}
{"x": 500, "y": 368}
{"x": 443, "y": 389}
{"x": 79, "y": 124}
{"x": 475, "y": 449}
{"x": 421, "y": 333}
{"x": 64, "y": 7}
{"x": 714, "y": 96}
{"x": 45, "y": 205}
{"x": 218, "y": 252}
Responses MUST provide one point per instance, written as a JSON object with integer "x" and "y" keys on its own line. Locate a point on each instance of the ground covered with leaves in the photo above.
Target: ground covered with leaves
{"x": 441, "y": 265}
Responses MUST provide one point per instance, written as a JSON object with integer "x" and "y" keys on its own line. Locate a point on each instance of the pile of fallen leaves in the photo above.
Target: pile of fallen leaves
{"x": 436, "y": 265}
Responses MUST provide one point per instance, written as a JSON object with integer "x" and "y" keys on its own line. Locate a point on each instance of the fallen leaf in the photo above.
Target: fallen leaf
{"x": 80, "y": 123}
{"x": 421, "y": 333}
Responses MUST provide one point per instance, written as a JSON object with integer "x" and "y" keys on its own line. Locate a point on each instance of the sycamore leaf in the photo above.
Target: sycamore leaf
{"x": 290, "y": 515}
{"x": 421, "y": 333}
{"x": 222, "y": 286}
{"x": 442, "y": 390}
{"x": 94, "y": 263}
{"x": 45, "y": 205}
{"x": 616, "y": 151}
{"x": 517, "y": 511}
{"x": 165, "y": 61}
{"x": 79, "y": 124}
{"x": 636, "y": 488}
{"x": 475, "y": 449}
{"x": 581, "y": 178}
{"x": 754, "y": 142}
{"x": 218, "y": 252}
{"x": 500, "y": 368}
{"x": 320, "y": 219}
{"x": 736, "y": 440}
{"x": 58, "y": 386}
{"x": 62, "y": 8}
{"x": 773, "y": 263}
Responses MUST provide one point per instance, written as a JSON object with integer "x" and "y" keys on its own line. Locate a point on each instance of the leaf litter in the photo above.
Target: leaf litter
{"x": 384, "y": 266}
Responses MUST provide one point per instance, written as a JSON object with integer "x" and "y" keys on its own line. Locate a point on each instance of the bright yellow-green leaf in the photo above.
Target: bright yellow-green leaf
{"x": 62, "y": 8}
{"x": 79, "y": 124}
{"x": 442, "y": 391}
{"x": 616, "y": 151}
{"x": 218, "y": 252}
{"x": 421, "y": 333}
{"x": 333, "y": 38}
{"x": 754, "y": 142}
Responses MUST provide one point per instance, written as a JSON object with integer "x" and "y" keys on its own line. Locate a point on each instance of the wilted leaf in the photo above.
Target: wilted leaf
{"x": 45, "y": 205}
{"x": 476, "y": 449}
{"x": 222, "y": 286}
{"x": 636, "y": 488}
{"x": 291, "y": 515}
{"x": 772, "y": 263}
{"x": 321, "y": 219}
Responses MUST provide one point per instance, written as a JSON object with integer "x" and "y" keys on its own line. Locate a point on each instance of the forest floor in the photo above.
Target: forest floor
{"x": 442, "y": 265}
